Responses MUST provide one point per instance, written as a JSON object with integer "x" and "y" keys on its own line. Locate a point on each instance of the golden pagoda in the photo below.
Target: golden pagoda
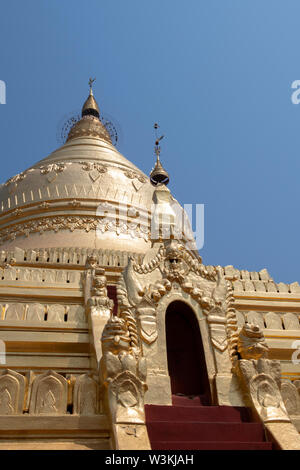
{"x": 114, "y": 334}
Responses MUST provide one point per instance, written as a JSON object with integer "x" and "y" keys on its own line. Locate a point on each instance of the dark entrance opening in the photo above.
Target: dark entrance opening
{"x": 186, "y": 361}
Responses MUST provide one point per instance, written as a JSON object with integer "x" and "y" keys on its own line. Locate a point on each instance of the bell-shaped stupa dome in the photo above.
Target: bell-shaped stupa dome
{"x": 85, "y": 194}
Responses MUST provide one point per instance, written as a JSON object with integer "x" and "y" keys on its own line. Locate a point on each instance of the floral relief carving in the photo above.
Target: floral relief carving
{"x": 17, "y": 212}
{"x": 75, "y": 203}
{"x": 137, "y": 179}
{"x": 102, "y": 222}
{"x": 55, "y": 167}
{"x": 132, "y": 175}
{"x": 44, "y": 205}
{"x": 134, "y": 229}
{"x": 14, "y": 180}
{"x": 50, "y": 223}
{"x": 94, "y": 169}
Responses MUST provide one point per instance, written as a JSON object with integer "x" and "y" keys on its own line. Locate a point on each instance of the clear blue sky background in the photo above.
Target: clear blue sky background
{"x": 216, "y": 75}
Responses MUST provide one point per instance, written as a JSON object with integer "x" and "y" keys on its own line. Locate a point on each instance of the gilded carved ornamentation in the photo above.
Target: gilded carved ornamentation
{"x": 143, "y": 285}
{"x": 8, "y": 265}
{"x": 97, "y": 303}
{"x": 86, "y": 396}
{"x": 260, "y": 377}
{"x": 75, "y": 203}
{"x": 17, "y": 212}
{"x": 132, "y": 175}
{"x": 134, "y": 229}
{"x": 49, "y": 394}
{"x": 291, "y": 399}
{"x": 251, "y": 342}
{"x": 12, "y": 392}
{"x": 124, "y": 370}
{"x": 57, "y": 223}
{"x": 102, "y": 222}
{"x": 44, "y": 205}
{"x": 16, "y": 179}
{"x": 52, "y": 167}
{"x": 50, "y": 223}
{"x": 94, "y": 169}
{"x": 52, "y": 170}
{"x": 137, "y": 179}
{"x": 95, "y": 290}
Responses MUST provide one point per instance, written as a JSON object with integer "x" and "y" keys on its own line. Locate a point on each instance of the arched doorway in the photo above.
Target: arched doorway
{"x": 186, "y": 361}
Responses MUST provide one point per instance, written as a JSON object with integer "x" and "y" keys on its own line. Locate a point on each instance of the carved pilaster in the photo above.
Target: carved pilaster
{"x": 123, "y": 371}
{"x": 97, "y": 304}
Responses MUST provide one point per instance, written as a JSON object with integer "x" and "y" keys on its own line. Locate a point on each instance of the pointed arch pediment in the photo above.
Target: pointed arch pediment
{"x": 172, "y": 268}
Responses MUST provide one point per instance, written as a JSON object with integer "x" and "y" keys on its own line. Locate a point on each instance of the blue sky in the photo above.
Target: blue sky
{"x": 216, "y": 75}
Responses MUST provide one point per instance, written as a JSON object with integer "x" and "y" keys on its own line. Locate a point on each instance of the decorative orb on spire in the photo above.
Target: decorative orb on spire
{"x": 158, "y": 175}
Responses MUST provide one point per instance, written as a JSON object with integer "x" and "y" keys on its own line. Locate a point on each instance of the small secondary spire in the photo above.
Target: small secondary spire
{"x": 158, "y": 175}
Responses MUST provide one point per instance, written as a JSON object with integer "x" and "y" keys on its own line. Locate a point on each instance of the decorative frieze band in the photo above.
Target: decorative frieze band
{"x": 71, "y": 223}
{"x": 49, "y": 393}
{"x": 94, "y": 169}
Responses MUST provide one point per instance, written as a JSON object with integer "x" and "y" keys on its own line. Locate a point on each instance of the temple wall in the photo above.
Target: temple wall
{"x": 44, "y": 328}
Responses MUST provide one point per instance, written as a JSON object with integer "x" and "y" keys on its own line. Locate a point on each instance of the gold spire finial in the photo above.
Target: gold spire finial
{"x": 90, "y": 123}
{"x": 91, "y": 107}
{"x": 91, "y": 81}
{"x": 158, "y": 139}
{"x": 158, "y": 175}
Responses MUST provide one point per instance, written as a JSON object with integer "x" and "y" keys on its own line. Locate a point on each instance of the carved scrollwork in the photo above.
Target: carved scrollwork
{"x": 94, "y": 169}
{"x": 134, "y": 229}
{"x": 143, "y": 285}
{"x": 132, "y": 174}
{"x": 88, "y": 166}
{"x": 13, "y": 182}
{"x": 50, "y": 223}
{"x": 55, "y": 167}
